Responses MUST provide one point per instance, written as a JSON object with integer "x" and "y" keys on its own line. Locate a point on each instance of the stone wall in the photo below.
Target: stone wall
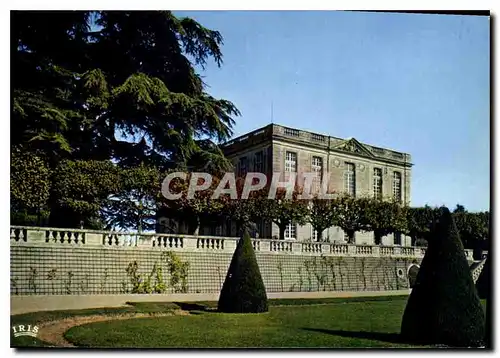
{"x": 62, "y": 271}
{"x": 57, "y": 262}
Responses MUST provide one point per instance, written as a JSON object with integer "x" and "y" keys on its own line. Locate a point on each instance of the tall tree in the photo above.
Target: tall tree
{"x": 283, "y": 211}
{"x": 349, "y": 214}
{"x": 419, "y": 222}
{"x": 321, "y": 215}
{"x": 29, "y": 187}
{"x": 384, "y": 217}
{"x": 134, "y": 206}
{"x": 80, "y": 189}
{"x": 116, "y": 85}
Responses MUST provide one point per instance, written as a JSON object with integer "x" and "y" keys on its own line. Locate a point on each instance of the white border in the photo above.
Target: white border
{"x": 189, "y": 5}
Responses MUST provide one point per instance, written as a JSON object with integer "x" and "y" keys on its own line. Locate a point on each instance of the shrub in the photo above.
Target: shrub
{"x": 243, "y": 290}
{"x": 483, "y": 281}
{"x": 444, "y": 307}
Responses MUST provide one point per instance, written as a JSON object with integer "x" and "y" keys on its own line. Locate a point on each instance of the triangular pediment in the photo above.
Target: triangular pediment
{"x": 353, "y": 146}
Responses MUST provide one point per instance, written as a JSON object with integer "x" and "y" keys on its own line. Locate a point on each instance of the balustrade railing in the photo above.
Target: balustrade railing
{"x": 386, "y": 251}
{"x": 280, "y": 246}
{"x": 210, "y": 243}
{"x": 336, "y": 249}
{"x": 168, "y": 241}
{"x": 94, "y": 238}
{"x": 364, "y": 250}
{"x": 311, "y": 247}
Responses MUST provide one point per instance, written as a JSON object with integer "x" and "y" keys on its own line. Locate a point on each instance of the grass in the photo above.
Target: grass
{"x": 302, "y": 323}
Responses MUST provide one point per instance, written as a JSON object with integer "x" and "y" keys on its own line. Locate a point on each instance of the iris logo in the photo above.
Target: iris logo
{"x": 25, "y": 330}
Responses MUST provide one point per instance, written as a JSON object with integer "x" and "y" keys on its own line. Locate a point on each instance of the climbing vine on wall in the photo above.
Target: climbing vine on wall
{"x": 178, "y": 271}
{"x": 32, "y": 279}
{"x": 68, "y": 282}
{"x": 51, "y": 276}
{"x": 154, "y": 281}
{"x": 104, "y": 280}
{"x": 279, "y": 266}
{"x": 301, "y": 278}
{"x": 13, "y": 282}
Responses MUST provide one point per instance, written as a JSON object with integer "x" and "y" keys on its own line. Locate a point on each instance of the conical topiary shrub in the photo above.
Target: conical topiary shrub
{"x": 483, "y": 281}
{"x": 444, "y": 306}
{"x": 243, "y": 290}
{"x": 483, "y": 286}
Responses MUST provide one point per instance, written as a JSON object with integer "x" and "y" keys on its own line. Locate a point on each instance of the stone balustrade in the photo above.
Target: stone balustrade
{"x": 36, "y": 236}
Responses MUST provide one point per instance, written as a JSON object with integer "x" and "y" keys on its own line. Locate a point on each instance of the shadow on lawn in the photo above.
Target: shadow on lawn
{"x": 186, "y": 306}
{"x": 378, "y": 336}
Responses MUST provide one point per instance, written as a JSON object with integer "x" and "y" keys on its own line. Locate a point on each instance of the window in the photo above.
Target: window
{"x": 396, "y": 186}
{"x": 350, "y": 179}
{"x": 291, "y": 231}
{"x": 243, "y": 167}
{"x": 397, "y": 238}
{"x": 291, "y": 162}
{"x": 317, "y": 166}
{"x": 317, "y": 169}
{"x": 377, "y": 183}
{"x": 258, "y": 165}
{"x": 218, "y": 230}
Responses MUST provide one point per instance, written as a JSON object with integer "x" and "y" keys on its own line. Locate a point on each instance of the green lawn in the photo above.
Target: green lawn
{"x": 311, "y": 323}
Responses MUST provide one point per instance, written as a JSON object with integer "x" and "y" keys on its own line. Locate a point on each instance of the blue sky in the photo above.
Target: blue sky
{"x": 409, "y": 82}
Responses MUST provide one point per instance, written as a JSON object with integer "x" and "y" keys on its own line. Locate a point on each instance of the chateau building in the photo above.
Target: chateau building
{"x": 351, "y": 166}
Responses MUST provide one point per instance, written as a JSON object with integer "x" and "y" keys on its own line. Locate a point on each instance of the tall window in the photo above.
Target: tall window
{"x": 258, "y": 165}
{"x": 291, "y": 231}
{"x": 243, "y": 167}
{"x": 396, "y": 186}
{"x": 377, "y": 183}
{"x": 350, "y": 179}
{"x": 290, "y": 162}
{"x": 317, "y": 169}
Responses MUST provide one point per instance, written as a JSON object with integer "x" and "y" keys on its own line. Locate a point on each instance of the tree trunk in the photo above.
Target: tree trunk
{"x": 282, "y": 231}
{"x": 320, "y": 235}
{"x": 350, "y": 234}
{"x": 378, "y": 237}
{"x": 194, "y": 226}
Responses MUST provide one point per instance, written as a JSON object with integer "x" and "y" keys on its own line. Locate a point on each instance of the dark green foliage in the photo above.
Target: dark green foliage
{"x": 419, "y": 222}
{"x": 29, "y": 188}
{"x": 384, "y": 217}
{"x": 483, "y": 283}
{"x": 79, "y": 190}
{"x": 124, "y": 89}
{"x": 444, "y": 307}
{"x": 349, "y": 214}
{"x": 321, "y": 215}
{"x": 243, "y": 290}
{"x": 134, "y": 205}
{"x": 282, "y": 210}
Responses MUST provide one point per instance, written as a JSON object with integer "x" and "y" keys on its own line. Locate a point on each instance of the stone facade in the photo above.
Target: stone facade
{"x": 275, "y": 141}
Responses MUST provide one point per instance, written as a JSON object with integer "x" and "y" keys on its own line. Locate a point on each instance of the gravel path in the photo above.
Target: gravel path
{"x": 53, "y": 332}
